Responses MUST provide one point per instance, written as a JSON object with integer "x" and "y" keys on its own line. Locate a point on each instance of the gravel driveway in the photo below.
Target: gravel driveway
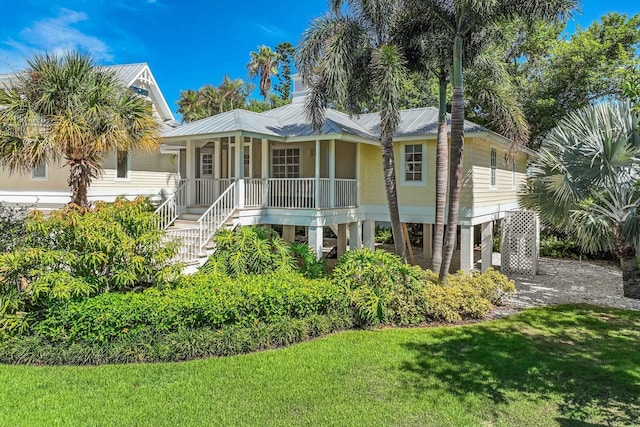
{"x": 569, "y": 281}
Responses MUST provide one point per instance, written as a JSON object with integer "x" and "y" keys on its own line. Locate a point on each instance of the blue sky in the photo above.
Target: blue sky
{"x": 186, "y": 43}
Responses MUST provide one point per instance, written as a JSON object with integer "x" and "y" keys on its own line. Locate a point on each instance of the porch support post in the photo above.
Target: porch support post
{"x": 217, "y": 157}
{"x": 487, "y": 245}
{"x": 317, "y": 204}
{"x": 191, "y": 173}
{"x": 288, "y": 233}
{"x": 342, "y": 239}
{"x": 332, "y": 173}
{"x": 264, "y": 170}
{"x": 240, "y": 171}
{"x": 358, "y": 171}
{"x": 466, "y": 248}
{"x": 316, "y": 239}
{"x": 369, "y": 234}
{"x": 355, "y": 235}
{"x": 427, "y": 241}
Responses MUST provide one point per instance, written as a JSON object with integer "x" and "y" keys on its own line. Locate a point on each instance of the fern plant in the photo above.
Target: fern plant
{"x": 249, "y": 250}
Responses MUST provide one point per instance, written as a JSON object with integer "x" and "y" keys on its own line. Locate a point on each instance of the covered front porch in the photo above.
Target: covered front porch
{"x": 316, "y": 174}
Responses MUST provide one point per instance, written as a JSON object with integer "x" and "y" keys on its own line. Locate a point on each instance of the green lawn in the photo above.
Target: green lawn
{"x": 567, "y": 366}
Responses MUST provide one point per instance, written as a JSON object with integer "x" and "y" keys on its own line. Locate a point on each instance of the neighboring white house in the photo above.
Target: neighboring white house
{"x": 130, "y": 175}
{"x": 272, "y": 168}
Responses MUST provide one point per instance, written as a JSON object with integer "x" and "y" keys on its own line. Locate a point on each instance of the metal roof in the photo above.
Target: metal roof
{"x": 291, "y": 121}
{"x": 414, "y": 122}
{"x": 295, "y": 122}
{"x": 126, "y": 73}
{"x": 230, "y": 121}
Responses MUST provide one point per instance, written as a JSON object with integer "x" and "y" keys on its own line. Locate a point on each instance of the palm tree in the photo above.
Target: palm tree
{"x": 263, "y": 64}
{"x": 350, "y": 58}
{"x": 463, "y": 21}
{"x": 585, "y": 181}
{"x": 190, "y": 105}
{"x": 491, "y": 95}
{"x": 66, "y": 108}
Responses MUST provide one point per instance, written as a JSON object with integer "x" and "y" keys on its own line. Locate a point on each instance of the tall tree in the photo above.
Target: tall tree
{"x": 283, "y": 87}
{"x": 585, "y": 180}
{"x": 262, "y": 65}
{"x": 560, "y": 74}
{"x": 346, "y": 56}
{"x": 66, "y": 108}
{"x": 463, "y": 21}
{"x": 490, "y": 96}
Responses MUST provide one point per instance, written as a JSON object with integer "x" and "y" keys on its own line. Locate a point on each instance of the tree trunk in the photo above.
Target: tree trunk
{"x": 81, "y": 173}
{"x": 455, "y": 158}
{"x": 630, "y": 273}
{"x": 389, "y": 171}
{"x": 442, "y": 160}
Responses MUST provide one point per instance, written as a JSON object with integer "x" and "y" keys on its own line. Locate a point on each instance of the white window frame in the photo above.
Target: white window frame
{"x": 423, "y": 179}
{"x": 286, "y": 147}
{"x": 207, "y": 152}
{"x": 128, "y": 174}
{"x": 40, "y": 178}
{"x": 493, "y": 168}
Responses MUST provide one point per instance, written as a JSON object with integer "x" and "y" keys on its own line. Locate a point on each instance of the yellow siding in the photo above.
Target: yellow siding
{"x": 412, "y": 194}
{"x": 503, "y": 193}
{"x": 346, "y": 160}
{"x": 56, "y": 180}
{"x": 149, "y": 172}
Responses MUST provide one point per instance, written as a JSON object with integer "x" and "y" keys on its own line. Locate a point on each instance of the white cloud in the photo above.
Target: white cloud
{"x": 271, "y": 30}
{"x": 55, "y": 35}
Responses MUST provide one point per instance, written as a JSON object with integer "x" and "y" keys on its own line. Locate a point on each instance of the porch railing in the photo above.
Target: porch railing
{"x": 171, "y": 209}
{"x": 296, "y": 193}
{"x": 217, "y": 214}
{"x": 189, "y": 239}
{"x": 209, "y": 190}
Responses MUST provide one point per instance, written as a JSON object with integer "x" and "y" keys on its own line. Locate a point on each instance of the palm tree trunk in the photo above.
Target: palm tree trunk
{"x": 455, "y": 159}
{"x": 442, "y": 159}
{"x": 81, "y": 173}
{"x": 389, "y": 171}
{"x": 630, "y": 273}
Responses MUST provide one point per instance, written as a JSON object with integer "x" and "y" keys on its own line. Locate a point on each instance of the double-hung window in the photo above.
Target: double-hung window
{"x": 414, "y": 163}
{"x": 285, "y": 162}
{"x": 39, "y": 173}
{"x": 122, "y": 164}
{"x": 494, "y": 168}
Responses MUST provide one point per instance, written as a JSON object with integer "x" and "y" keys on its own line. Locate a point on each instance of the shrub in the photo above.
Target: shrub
{"x": 259, "y": 250}
{"x": 173, "y": 346}
{"x": 307, "y": 262}
{"x": 492, "y": 284}
{"x": 554, "y": 246}
{"x": 202, "y": 300}
{"x": 466, "y": 295}
{"x": 249, "y": 250}
{"x": 381, "y": 287}
{"x": 77, "y": 253}
{"x": 384, "y": 235}
{"x": 12, "y": 226}
{"x": 454, "y": 302}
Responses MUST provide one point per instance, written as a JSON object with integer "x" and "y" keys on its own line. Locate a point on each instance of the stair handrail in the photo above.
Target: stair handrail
{"x": 218, "y": 213}
{"x": 171, "y": 208}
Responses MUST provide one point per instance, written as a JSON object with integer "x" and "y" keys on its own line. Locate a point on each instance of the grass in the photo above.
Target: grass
{"x": 564, "y": 365}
